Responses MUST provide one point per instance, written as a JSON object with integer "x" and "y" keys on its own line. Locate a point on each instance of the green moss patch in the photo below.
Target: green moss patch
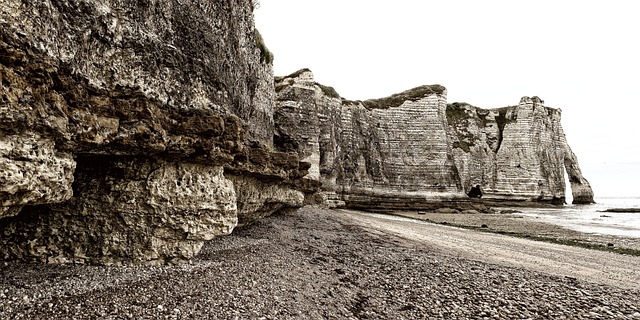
{"x": 329, "y": 91}
{"x": 399, "y": 98}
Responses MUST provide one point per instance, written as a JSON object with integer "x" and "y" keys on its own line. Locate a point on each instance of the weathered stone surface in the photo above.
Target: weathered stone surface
{"x": 156, "y": 101}
{"x": 32, "y": 172}
{"x": 131, "y": 131}
{"x": 516, "y": 153}
{"x": 412, "y": 150}
{"x": 580, "y": 187}
{"x": 530, "y": 160}
{"x": 127, "y": 210}
{"x": 389, "y": 152}
{"x": 258, "y": 199}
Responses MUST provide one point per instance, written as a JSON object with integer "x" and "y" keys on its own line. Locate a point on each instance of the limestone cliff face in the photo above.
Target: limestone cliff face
{"x": 131, "y": 131}
{"x": 412, "y": 150}
{"x": 391, "y": 152}
{"x": 515, "y": 153}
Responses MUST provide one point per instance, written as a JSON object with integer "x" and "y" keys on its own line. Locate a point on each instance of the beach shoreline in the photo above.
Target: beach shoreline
{"x": 338, "y": 264}
{"x": 519, "y": 225}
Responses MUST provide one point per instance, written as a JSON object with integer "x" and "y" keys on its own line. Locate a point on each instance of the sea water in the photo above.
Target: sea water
{"x": 591, "y": 218}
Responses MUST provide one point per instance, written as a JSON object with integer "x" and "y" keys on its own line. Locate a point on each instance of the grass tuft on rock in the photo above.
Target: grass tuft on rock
{"x": 399, "y": 98}
{"x": 329, "y": 91}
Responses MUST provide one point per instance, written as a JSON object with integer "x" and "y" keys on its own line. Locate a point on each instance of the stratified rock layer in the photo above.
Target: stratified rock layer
{"x": 120, "y": 122}
{"x": 132, "y": 131}
{"x": 516, "y": 153}
{"x": 128, "y": 210}
{"x": 413, "y": 150}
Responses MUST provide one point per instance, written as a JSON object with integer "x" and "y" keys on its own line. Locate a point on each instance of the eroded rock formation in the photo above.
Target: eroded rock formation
{"x": 516, "y": 153}
{"x": 413, "y": 150}
{"x": 132, "y": 131}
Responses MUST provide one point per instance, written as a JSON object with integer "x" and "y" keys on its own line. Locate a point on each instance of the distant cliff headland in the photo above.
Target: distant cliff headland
{"x": 413, "y": 150}
{"x": 132, "y": 132}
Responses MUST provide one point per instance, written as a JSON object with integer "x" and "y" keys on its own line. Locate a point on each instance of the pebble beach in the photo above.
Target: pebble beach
{"x": 313, "y": 264}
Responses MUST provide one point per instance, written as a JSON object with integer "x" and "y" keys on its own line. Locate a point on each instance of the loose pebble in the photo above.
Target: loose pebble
{"x": 285, "y": 267}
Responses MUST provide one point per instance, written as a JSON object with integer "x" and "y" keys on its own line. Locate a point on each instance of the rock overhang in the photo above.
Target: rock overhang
{"x": 138, "y": 135}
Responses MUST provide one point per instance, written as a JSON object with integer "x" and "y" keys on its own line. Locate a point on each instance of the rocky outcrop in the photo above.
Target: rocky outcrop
{"x": 127, "y": 210}
{"x": 33, "y": 172}
{"x": 516, "y": 153}
{"x": 413, "y": 150}
{"x": 131, "y": 132}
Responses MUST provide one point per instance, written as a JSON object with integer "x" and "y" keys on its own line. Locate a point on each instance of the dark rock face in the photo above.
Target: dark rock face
{"x": 120, "y": 123}
{"x": 413, "y": 150}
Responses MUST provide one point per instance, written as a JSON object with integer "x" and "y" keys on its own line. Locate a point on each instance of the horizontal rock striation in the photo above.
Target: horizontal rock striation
{"x": 132, "y": 131}
{"x": 516, "y": 153}
{"x": 413, "y": 150}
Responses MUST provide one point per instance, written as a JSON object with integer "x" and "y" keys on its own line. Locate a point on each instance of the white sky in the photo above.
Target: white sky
{"x": 580, "y": 56}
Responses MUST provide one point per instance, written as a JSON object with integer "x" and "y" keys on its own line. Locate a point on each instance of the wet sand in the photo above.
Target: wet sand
{"x": 598, "y": 266}
{"x": 528, "y": 227}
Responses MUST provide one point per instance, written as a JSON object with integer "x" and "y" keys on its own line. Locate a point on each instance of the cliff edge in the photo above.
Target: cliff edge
{"x": 413, "y": 150}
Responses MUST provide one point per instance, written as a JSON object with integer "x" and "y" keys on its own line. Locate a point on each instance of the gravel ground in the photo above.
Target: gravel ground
{"x": 315, "y": 264}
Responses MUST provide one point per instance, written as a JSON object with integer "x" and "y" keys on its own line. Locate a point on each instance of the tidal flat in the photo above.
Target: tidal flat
{"x": 516, "y": 224}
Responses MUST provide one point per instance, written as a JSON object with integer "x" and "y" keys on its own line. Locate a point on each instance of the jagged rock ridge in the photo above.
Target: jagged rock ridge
{"x": 413, "y": 150}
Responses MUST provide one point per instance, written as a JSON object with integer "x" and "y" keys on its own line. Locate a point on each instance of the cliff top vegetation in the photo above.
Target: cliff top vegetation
{"x": 456, "y": 112}
{"x": 398, "y": 99}
{"x": 327, "y": 90}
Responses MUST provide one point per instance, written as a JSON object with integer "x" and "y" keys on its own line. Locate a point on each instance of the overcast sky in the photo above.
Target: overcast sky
{"x": 580, "y": 56}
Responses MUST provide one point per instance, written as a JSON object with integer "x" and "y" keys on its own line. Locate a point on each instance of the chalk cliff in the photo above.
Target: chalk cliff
{"x": 132, "y": 131}
{"x": 413, "y": 150}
